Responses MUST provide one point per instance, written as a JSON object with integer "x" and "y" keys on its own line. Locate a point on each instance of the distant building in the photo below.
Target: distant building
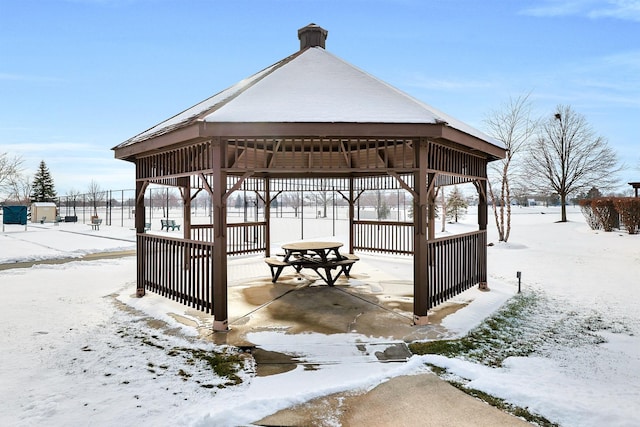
{"x": 43, "y": 212}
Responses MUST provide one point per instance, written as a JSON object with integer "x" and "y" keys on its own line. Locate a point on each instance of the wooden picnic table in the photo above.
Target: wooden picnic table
{"x": 322, "y": 257}
{"x": 322, "y": 249}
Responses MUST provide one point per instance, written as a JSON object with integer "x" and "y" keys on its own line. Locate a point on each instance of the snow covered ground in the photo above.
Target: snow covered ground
{"x": 78, "y": 349}
{"x": 585, "y": 368}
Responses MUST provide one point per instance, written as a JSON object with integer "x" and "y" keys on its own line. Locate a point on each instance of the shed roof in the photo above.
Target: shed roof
{"x": 310, "y": 86}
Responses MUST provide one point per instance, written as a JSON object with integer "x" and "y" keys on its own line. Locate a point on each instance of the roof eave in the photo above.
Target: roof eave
{"x": 158, "y": 143}
{"x": 205, "y": 130}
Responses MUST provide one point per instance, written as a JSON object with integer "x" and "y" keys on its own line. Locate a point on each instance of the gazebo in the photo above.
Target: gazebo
{"x": 315, "y": 121}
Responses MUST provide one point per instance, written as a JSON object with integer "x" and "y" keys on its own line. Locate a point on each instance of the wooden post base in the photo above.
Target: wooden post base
{"x": 140, "y": 292}
{"x": 220, "y": 325}
{"x": 420, "y": 320}
{"x": 483, "y": 286}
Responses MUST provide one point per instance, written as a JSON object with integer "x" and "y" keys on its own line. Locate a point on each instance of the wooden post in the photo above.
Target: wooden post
{"x": 420, "y": 251}
{"x": 351, "y": 215}
{"x": 140, "y": 248}
{"x": 267, "y": 217}
{"x": 431, "y": 207}
{"x": 482, "y": 225}
{"x": 219, "y": 259}
{"x": 185, "y": 192}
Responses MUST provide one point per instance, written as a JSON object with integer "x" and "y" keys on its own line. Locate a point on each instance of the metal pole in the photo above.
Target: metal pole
{"x": 121, "y": 208}
{"x": 333, "y": 209}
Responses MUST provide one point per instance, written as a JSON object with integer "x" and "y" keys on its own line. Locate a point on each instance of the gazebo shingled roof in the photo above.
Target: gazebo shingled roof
{"x": 309, "y": 115}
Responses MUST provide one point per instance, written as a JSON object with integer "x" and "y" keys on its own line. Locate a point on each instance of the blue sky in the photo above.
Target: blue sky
{"x": 78, "y": 77}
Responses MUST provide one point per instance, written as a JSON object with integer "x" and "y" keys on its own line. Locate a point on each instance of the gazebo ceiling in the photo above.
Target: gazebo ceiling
{"x": 310, "y": 93}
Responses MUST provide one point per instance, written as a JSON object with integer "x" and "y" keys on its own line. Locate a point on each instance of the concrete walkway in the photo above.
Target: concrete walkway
{"x": 419, "y": 400}
{"x": 298, "y": 305}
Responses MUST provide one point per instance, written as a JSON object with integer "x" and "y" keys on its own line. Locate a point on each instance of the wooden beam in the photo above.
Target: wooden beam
{"x": 196, "y": 193}
{"x": 237, "y": 185}
{"x": 403, "y": 184}
{"x": 140, "y": 191}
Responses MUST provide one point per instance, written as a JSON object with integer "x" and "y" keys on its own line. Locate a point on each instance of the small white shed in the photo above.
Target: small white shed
{"x": 46, "y": 210}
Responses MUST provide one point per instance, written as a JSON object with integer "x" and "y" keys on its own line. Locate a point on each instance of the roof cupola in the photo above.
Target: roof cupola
{"x": 311, "y": 36}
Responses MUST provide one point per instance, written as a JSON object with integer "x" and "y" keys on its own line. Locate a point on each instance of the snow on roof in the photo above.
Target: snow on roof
{"x": 312, "y": 86}
{"x": 191, "y": 114}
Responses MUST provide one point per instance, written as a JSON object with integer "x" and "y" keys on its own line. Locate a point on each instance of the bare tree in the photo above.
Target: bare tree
{"x": 20, "y": 188}
{"x": 96, "y": 195}
{"x": 514, "y": 126}
{"x": 443, "y": 205}
{"x": 568, "y": 157}
{"x": 321, "y": 199}
{"x": 72, "y": 198}
{"x": 294, "y": 200}
{"x": 10, "y": 170}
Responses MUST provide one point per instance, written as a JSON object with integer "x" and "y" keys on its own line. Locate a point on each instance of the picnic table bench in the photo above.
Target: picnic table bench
{"x": 169, "y": 223}
{"x": 95, "y": 223}
{"x": 321, "y": 257}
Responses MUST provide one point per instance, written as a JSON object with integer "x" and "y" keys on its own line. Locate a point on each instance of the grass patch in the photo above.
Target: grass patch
{"x": 224, "y": 364}
{"x": 502, "y": 335}
{"x": 505, "y": 406}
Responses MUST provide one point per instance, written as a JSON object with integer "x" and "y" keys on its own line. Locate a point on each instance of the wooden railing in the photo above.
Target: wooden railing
{"x": 242, "y": 237}
{"x": 202, "y": 232}
{"x": 181, "y": 270}
{"x": 456, "y": 263}
{"x": 383, "y": 237}
{"x": 246, "y": 238}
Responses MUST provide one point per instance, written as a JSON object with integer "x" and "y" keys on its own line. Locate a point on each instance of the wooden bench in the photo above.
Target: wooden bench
{"x": 169, "y": 223}
{"x": 147, "y": 226}
{"x": 276, "y": 265}
{"x": 95, "y": 223}
{"x": 347, "y": 265}
{"x": 325, "y": 269}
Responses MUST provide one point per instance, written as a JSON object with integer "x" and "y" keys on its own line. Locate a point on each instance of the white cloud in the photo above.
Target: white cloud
{"x": 618, "y": 9}
{"x": 558, "y": 8}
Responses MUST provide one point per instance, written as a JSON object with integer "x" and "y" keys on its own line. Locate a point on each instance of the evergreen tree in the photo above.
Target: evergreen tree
{"x": 42, "y": 189}
{"x": 456, "y": 205}
{"x": 593, "y": 193}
